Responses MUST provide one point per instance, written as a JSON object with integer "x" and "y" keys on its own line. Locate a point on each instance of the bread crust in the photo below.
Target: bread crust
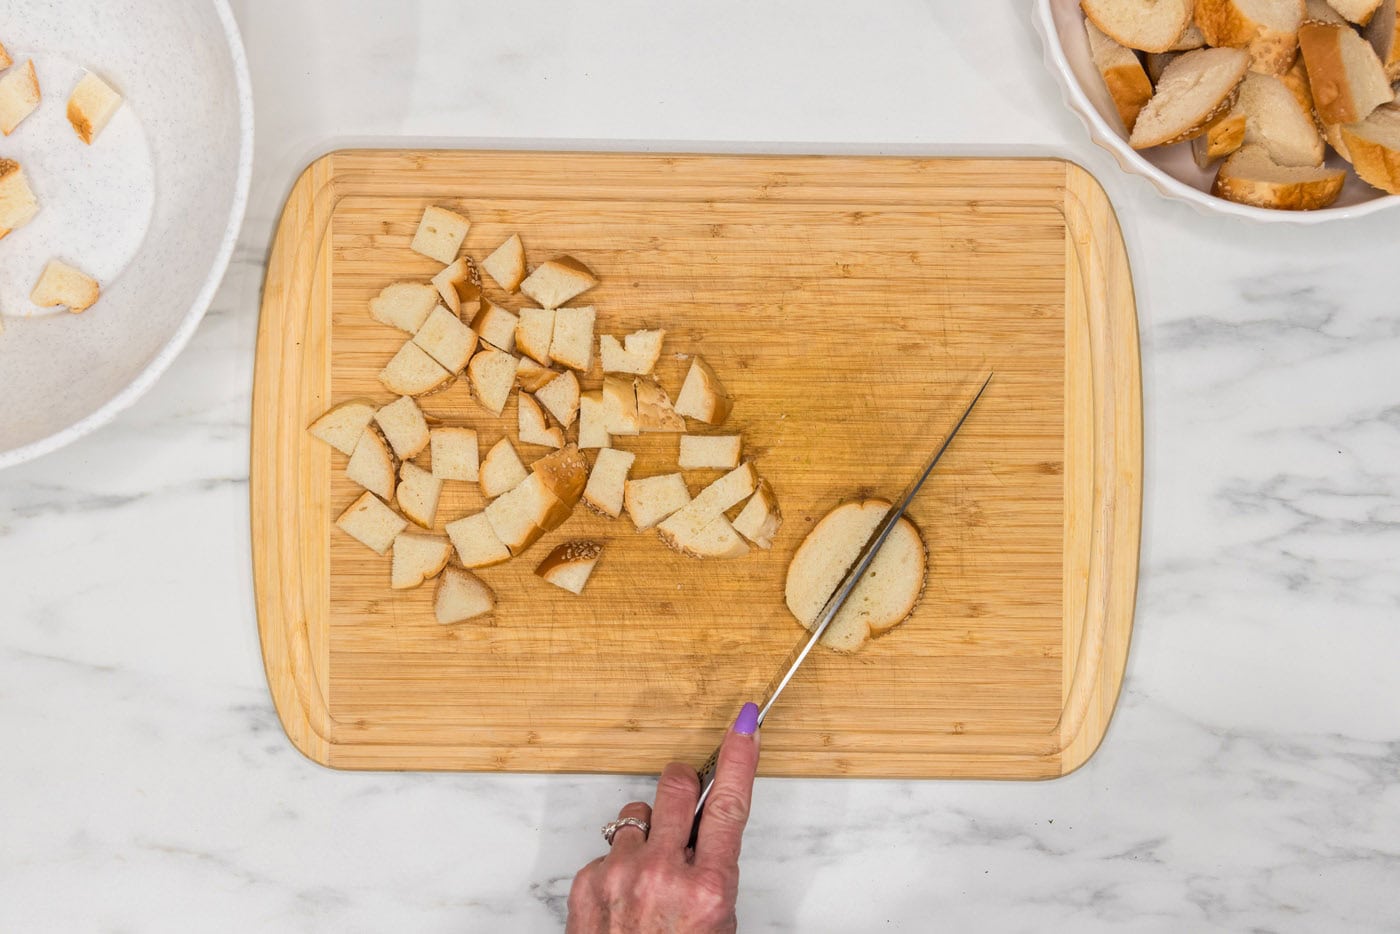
{"x": 1181, "y": 22}
{"x": 1130, "y": 88}
{"x": 1308, "y": 195}
{"x": 1376, "y": 163}
{"x": 1333, "y": 92}
{"x": 1223, "y": 23}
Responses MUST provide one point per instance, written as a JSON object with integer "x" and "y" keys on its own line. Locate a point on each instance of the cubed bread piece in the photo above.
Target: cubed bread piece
{"x": 760, "y": 519}
{"x": 699, "y": 452}
{"x": 1383, "y": 32}
{"x": 520, "y": 517}
{"x": 506, "y": 264}
{"x": 572, "y": 344}
{"x": 372, "y": 465}
{"x": 496, "y": 326}
{"x": 1275, "y": 119}
{"x": 532, "y": 377}
{"x": 404, "y": 305}
{"x": 1122, "y": 73}
{"x": 461, "y": 596}
{"x": 404, "y": 426}
{"x": 655, "y": 413}
{"x": 1348, "y": 79}
{"x": 555, "y": 282}
{"x": 564, "y": 474}
{"x": 341, "y": 425}
{"x": 418, "y": 494}
{"x": 534, "y": 427}
{"x": 501, "y": 470}
{"x": 1149, "y": 25}
{"x": 92, "y": 106}
{"x": 637, "y": 353}
{"x": 1222, "y": 137}
{"x": 440, "y": 234}
{"x": 703, "y": 396}
{"x": 560, "y": 397}
{"x": 492, "y": 376}
{"x": 19, "y": 96}
{"x": 716, "y": 539}
{"x": 1373, "y": 146}
{"x": 1251, "y": 177}
{"x": 371, "y": 523}
{"x": 411, "y": 372}
{"x": 620, "y": 406}
{"x": 18, "y": 206}
{"x": 477, "y": 546}
{"x": 417, "y": 557}
{"x": 446, "y": 339}
{"x": 592, "y": 421}
{"x": 457, "y": 286}
{"x": 570, "y": 565}
{"x": 61, "y": 284}
{"x": 1266, "y": 29}
{"x": 454, "y": 453}
{"x": 534, "y": 329}
{"x": 1359, "y": 12}
{"x": 650, "y": 500}
{"x": 726, "y": 492}
{"x": 608, "y": 481}
{"x": 1195, "y": 89}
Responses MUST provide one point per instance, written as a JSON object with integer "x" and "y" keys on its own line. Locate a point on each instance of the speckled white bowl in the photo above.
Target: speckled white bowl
{"x": 151, "y": 209}
{"x": 1169, "y": 168}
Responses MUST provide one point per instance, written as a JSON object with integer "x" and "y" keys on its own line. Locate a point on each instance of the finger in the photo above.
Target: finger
{"x": 585, "y": 902}
{"x": 674, "y": 811}
{"x": 727, "y": 808}
{"x": 628, "y": 837}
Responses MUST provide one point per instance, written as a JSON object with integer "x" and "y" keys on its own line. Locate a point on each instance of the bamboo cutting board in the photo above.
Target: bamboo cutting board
{"x": 847, "y": 303}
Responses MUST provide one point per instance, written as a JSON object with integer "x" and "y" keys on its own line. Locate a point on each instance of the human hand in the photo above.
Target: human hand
{"x": 653, "y": 881}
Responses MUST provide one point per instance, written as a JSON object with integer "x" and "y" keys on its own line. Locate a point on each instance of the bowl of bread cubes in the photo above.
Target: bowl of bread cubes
{"x": 1273, "y": 110}
{"x": 124, "y": 171}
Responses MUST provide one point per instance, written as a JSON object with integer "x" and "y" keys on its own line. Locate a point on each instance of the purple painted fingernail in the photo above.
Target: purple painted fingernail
{"x": 747, "y": 722}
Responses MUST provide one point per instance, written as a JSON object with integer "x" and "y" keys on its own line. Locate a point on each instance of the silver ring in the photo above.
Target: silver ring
{"x": 611, "y": 828}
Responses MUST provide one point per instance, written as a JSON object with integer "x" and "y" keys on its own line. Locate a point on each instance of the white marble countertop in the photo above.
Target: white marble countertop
{"x": 1251, "y": 777}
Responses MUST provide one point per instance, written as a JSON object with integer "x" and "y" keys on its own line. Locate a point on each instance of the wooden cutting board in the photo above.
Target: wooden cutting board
{"x": 848, "y": 303}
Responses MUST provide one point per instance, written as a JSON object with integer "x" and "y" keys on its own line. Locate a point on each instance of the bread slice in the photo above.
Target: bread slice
{"x": 372, "y": 464}
{"x": 703, "y": 396}
{"x": 411, "y": 372}
{"x": 496, "y": 326}
{"x": 91, "y": 107}
{"x": 404, "y": 426}
{"x": 637, "y": 353}
{"x": 1266, "y": 29}
{"x": 417, "y": 557}
{"x": 533, "y": 331}
{"x": 1123, "y": 75}
{"x": 1373, "y": 146}
{"x": 555, "y": 282}
{"x": 620, "y": 406}
{"x": 1383, "y": 32}
{"x": 655, "y": 412}
{"x": 1359, "y": 12}
{"x": 1251, "y": 177}
{"x": 18, "y": 206}
{"x": 560, "y": 397}
{"x": 532, "y": 377}
{"x": 689, "y": 521}
{"x": 522, "y": 516}
{"x": 534, "y": 427}
{"x": 492, "y": 376}
{"x": 418, "y": 494}
{"x": 461, "y": 596}
{"x": 446, "y": 339}
{"x": 570, "y": 565}
{"x": 457, "y": 286}
{"x": 19, "y": 96}
{"x": 1149, "y": 25}
{"x": 404, "y": 305}
{"x": 653, "y": 499}
{"x": 454, "y": 453}
{"x": 564, "y": 473}
{"x": 716, "y": 539}
{"x": 477, "y": 546}
{"x": 440, "y": 234}
{"x": 699, "y": 452}
{"x": 592, "y": 421}
{"x": 342, "y": 425}
{"x": 572, "y": 343}
{"x": 1154, "y": 63}
{"x": 1195, "y": 89}
{"x": 63, "y": 285}
{"x": 1192, "y": 38}
{"x": 1320, "y": 11}
{"x": 501, "y": 470}
{"x": 371, "y": 523}
{"x": 506, "y": 264}
{"x": 1275, "y": 120}
{"x": 608, "y": 482}
{"x": 1348, "y": 79}
{"x": 760, "y": 519}
{"x": 1224, "y": 135}
{"x": 885, "y": 596}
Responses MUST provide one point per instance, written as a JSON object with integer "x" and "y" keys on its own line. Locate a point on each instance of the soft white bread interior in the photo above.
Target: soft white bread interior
{"x": 461, "y": 596}
{"x": 607, "y": 482}
{"x": 533, "y": 331}
{"x": 637, "y": 352}
{"x": 372, "y": 464}
{"x": 655, "y": 411}
{"x": 532, "y": 377}
{"x": 440, "y": 234}
{"x": 1149, "y": 25}
{"x": 1195, "y": 89}
{"x": 1348, "y": 79}
{"x": 371, "y": 523}
{"x": 404, "y": 305}
{"x": 1374, "y": 147}
{"x": 555, "y": 282}
{"x": 91, "y": 107}
{"x": 18, "y": 205}
{"x": 620, "y": 406}
{"x": 491, "y": 373}
{"x": 534, "y": 427}
{"x": 1266, "y": 29}
{"x": 342, "y": 425}
{"x": 650, "y": 500}
{"x": 760, "y": 519}
{"x": 506, "y": 264}
{"x": 564, "y": 473}
{"x": 19, "y": 96}
{"x": 592, "y": 420}
{"x": 572, "y": 343}
{"x": 522, "y": 516}
{"x": 1222, "y": 137}
{"x": 1155, "y": 63}
{"x": 501, "y": 470}
{"x": 1127, "y": 81}
{"x": 1384, "y": 34}
{"x": 418, "y": 494}
{"x": 1275, "y": 119}
{"x": 570, "y": 565}
{"x": 496, "y": 326}
{"x": 1320, "y": 11}
{"x": 63, "y": 285}
{"x": 559, "y": 396}
{"x": 446, "y": 339}
{"x": 476, "y": 544}
{"x": 690, "y": 520}
{"x": 1356, "y": 11}
{"x": 1251, "y": 177}
{"x": 404, "y": 426}
{"x": 454, "y": 284}
{"x": 418, "y": 556}
{"x": 885, "y": 596}
{"x": 716, "y": 539}
{"x": 699, "y": 452}
{"x": 703, "y": 396}
{"x": 412, "y": 372}
{"x": 454, "y": 453}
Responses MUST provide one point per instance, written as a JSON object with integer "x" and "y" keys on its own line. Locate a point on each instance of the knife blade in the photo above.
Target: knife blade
{"x": 838, "y": 598}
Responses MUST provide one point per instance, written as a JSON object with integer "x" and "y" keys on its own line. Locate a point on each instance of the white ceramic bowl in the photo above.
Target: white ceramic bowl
{"x": 1170, "y": 168}
{"x": 151, "y": 209}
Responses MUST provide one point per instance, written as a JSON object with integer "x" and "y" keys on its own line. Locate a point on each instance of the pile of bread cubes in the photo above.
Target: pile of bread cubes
{"x": 91, "y": 106}
{"x": 1264, "y": 85}
{"x": 543, "y": 354}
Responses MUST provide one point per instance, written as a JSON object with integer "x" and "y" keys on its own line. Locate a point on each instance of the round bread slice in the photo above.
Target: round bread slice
{"x": 1251, "y": 177}
{"x": 1373, "y": 146}
{"x": 1195, "y": 89}
{"x": 885, "y": 596}
{"x": 1149, "y": 25}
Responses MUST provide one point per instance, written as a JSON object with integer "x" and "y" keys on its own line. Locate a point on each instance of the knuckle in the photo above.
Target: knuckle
{"x": 678, "y": 779}
{"x": 728, "y": 807}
